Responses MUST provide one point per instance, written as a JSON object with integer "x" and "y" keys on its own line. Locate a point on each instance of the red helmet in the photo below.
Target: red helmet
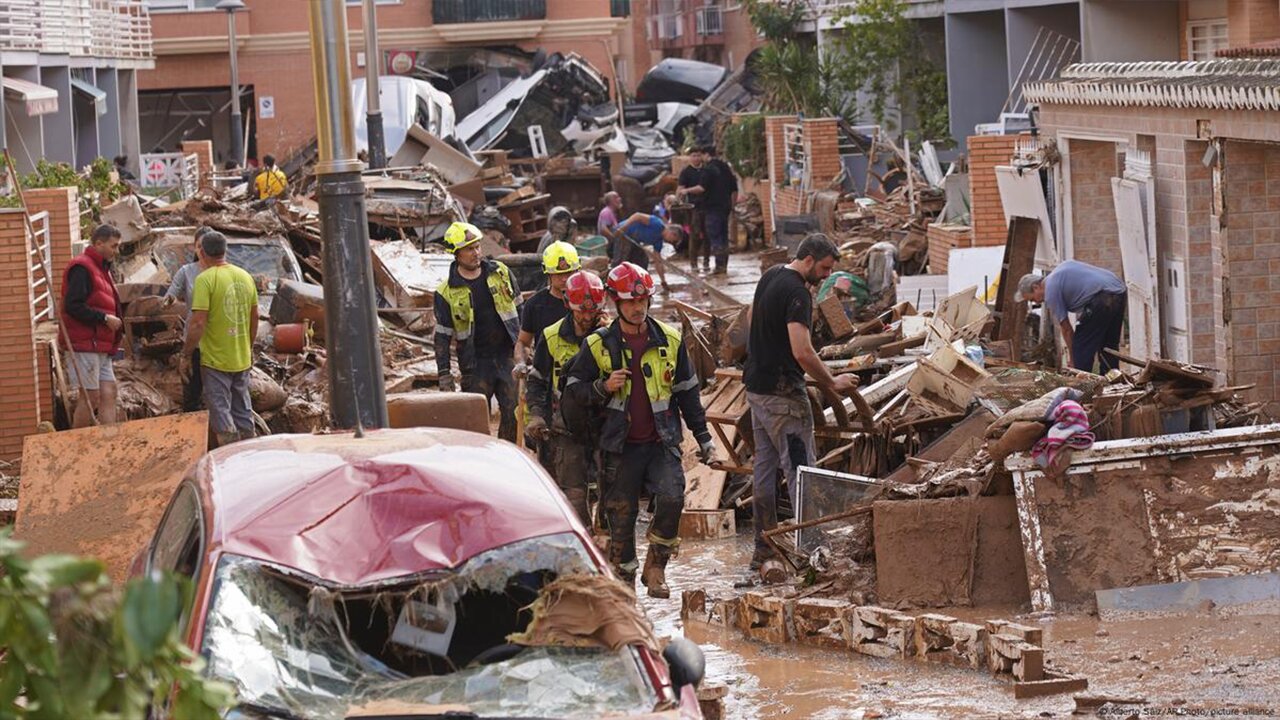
{"x": 629, "y": 281}
{"x": 584, "y": 291}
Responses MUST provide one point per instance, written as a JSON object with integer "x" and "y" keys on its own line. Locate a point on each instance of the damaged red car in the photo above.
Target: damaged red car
{"x": 407, "y": 573}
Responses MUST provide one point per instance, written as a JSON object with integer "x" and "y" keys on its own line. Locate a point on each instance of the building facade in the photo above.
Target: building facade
{"x": 187, "y": 96}
{"x": 70, "y": 70}
{"x": 714, "y": 31}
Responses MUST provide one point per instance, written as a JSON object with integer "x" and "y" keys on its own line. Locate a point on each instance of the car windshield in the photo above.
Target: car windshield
{"x": 289, "y": 644}
{"x": 269, "y": 261}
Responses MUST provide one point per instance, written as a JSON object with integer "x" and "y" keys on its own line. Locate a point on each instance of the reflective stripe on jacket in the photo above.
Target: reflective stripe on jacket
{"x": 669, "y": 382}
{"x": 455, "y": 314}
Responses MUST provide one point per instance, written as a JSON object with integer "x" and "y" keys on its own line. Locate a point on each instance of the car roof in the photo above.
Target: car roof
{"x": 392, "y": 503}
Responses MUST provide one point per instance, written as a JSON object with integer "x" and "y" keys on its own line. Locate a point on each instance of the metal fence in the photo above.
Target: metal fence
{"x": 710, "y": 20}
{"x": 80, "y": 28}
{"x": 41, "y": 255}
{"x": 171, "y": 171}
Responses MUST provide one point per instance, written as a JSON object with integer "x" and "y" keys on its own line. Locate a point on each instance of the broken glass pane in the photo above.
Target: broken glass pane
{"x": 287, "y": 642}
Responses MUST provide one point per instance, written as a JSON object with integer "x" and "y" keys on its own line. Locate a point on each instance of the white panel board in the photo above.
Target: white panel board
{"x": 1135, "y": 257}
{"x": 1022, "y": 195}
{"x": 980, "y": 266}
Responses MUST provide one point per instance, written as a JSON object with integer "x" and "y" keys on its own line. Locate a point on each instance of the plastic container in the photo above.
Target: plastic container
{"x": 290, "y": 338}
{"x": 593, "y": 246}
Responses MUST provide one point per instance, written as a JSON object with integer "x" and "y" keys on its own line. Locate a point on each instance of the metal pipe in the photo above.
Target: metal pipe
{"x": 372, "y": 72}
{"x": 356, "y": 390}
{"x": 237, "y": 123}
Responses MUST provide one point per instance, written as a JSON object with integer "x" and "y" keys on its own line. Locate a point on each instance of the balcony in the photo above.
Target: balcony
{"x": 79, "y": 28}
{"x": 709, "y": 20}
{"x": 448, "y": 12}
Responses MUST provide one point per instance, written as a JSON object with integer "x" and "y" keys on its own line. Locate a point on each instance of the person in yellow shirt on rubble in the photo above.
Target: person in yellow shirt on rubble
{"x": 271, "y": 182}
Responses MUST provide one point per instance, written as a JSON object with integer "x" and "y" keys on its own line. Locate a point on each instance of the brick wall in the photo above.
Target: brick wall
{"x": 63, "y": 206}
{"x": 942, "y": 238}
{"x": 822, "y": 151}
{"x": 19, "y": 403}
{"x": 1204, "y": 262}
{"x": 1252, "y": 238}
{"x": 985, "y": 153}
{"x": 203, "y": 150}
{"x": 1095, "y": 235}
{"x": 1251, "y": 21}
{"x": 784, "y": 201}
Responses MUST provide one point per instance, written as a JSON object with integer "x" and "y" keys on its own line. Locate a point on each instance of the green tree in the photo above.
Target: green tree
{"x": 76, "y": 648}
{"x": 881, "y": 54}
{"x": 795, "y": 79}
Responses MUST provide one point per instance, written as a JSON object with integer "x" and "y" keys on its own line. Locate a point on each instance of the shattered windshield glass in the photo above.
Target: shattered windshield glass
{"x": 270, "y": 261}
{"x": 289, "y": 644}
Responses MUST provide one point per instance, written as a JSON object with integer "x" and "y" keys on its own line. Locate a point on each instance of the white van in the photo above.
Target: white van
{"x": 404, "y": 101}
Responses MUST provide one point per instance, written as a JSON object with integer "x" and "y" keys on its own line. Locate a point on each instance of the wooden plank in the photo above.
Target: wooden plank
{"x": 1019, "y": 259}
{"x": 707, "y": 524}
{"x": 703, "y": 488}
{"x": 1032, "y": 542}
{"x": 833, "y": 313}
{"x": 1052, "y": 686}
{"x": 101, "y": 491}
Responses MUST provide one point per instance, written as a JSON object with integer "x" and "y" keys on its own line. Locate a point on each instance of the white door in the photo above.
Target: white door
{"x": 1137, "y": 256}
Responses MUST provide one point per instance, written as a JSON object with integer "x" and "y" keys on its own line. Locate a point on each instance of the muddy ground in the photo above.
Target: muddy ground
{"x": 1182, "y": 666}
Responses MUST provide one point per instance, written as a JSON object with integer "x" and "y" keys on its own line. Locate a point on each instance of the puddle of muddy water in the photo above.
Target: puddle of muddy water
{"x": 1208, "y": 662}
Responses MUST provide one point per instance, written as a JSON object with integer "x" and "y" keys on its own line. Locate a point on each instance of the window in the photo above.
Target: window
{"x": 445, "y": 12}
{"x": 620, "y": 8}
{"x": 1205, "y": 37}
{"x": 180, "y": 5}
{"x": 178, "y": 543}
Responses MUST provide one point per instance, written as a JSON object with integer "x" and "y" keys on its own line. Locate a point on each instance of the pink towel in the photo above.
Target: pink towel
{"x": 1070, "y": 429}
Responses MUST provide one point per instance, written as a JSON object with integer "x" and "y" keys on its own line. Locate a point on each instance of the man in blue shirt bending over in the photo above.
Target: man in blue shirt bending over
{"x": 641, "y": 237}
{"x": 1093, "y": 293}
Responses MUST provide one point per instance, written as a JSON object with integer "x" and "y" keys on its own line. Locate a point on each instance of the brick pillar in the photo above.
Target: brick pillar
{"x": 19, "y": 404}
{"x": 63, "y": 206}
{"x": 203, "y": 150}
{"x": 44, "y": 375}
{"x": 985, "y": 153}
{"x": 822, "y": 148}
{"x": 776, "y": 154}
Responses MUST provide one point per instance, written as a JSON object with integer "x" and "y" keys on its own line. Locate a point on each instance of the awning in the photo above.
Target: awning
{"x": 39, "y": 99}
{"x": 91, "y": 92}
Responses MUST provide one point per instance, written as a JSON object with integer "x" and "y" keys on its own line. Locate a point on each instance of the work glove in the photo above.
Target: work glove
{"x": 184, "y": 365}
{"x": 446, "y": 383}
{"x": 537, "y": 428}
{"x": 707, "y": 452}
{"x": 521, "y": 370}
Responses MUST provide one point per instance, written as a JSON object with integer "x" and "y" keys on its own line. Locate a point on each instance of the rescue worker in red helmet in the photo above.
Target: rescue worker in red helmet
{"x": 637, "y": 369}
{"x": 478, "y": 309}
{"x": 571, "y": 453}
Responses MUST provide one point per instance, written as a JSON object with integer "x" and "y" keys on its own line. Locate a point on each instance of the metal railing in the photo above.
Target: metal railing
{"x": 668, "y": 26}
{"x": 171, "y": 171}
{"x": 20, "y": 25}
{"x": 709, "y": 20}
{"x": 41, "y": 254}
{"x": 80, "y": 28}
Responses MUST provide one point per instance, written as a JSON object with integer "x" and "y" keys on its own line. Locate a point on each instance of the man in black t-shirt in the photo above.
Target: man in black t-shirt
{"x": 694, "y": 182}
{"x": 779, "y": 352}
{"x": 720, "y": 198}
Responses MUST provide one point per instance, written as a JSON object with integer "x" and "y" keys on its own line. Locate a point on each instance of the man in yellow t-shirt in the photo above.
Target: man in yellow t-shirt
{"x": 223, "y": 324}
{"x": 271, "y": 181}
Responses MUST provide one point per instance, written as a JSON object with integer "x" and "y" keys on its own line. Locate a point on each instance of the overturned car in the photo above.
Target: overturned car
{"x": 422, "y": 573}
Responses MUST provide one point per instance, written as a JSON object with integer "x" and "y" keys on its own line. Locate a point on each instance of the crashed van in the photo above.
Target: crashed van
{"x": 424, "y": 573}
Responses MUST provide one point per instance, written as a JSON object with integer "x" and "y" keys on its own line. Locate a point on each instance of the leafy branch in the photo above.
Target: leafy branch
{"x": 76, "y": 648}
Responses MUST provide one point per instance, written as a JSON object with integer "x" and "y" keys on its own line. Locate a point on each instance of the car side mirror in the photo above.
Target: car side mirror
{"x": 686, "y": 662}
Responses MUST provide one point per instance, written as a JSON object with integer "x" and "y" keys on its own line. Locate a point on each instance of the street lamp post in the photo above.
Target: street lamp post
{"x": 231, "y": 7}
{"x": 356, "y": 392}
{"x": 372, "y": 69}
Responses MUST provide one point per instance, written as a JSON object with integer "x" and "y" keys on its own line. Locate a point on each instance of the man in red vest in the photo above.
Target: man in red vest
{"x": 91, "y": 316}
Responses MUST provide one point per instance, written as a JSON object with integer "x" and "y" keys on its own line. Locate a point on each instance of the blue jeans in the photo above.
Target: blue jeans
{"x": 718, "y": 235}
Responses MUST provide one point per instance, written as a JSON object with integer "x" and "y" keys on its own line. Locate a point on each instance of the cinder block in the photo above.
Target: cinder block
{"x": 944, "y": 639}
{"x": 879, "y": 632}
{"x": 765, "y": 618}
{"x": 817, "y": 621}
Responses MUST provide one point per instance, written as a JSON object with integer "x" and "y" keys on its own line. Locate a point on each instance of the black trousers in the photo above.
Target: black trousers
{"x": 1100, "y": 325}
{"x": 646, "y": 466}
{"x": 192, "y": 387}
{"x": 492, "y": 377}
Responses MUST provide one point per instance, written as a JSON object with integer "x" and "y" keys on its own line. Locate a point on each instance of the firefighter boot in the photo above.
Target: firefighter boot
{"x": 654, "y": 576}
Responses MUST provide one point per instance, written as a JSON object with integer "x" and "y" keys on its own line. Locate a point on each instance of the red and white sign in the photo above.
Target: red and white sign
{"x": 401, "y": 62}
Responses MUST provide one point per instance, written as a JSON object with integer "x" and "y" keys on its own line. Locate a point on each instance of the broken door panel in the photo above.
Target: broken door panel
{"x": 1177, "y": 341}
{"x": 1135, "y": 256}
{"x": 1022, "y": 195}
